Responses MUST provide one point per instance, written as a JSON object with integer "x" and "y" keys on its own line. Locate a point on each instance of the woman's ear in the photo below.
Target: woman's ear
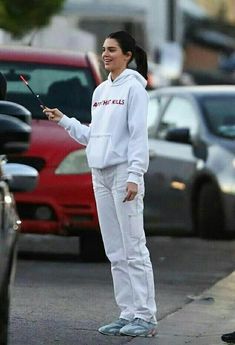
{"x": 128, "y": 56}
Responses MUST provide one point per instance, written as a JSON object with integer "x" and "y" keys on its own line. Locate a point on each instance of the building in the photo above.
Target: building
{"x": 152, "y": 22}
{"x": 161, "y": 27}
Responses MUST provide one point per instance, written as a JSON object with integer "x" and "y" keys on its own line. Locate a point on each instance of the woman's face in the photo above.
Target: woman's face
{"x": 115, "y": 61}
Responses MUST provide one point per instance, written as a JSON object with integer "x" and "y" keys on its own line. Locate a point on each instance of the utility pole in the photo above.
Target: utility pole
{"x": 171, "y": 20}
{"x": 175, "y": 21}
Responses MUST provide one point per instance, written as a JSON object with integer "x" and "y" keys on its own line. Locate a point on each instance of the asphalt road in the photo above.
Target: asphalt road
{"x": 57, "y": 299}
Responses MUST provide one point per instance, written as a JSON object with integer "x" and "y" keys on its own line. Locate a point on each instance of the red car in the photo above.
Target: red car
{"x": 63, "y": 203}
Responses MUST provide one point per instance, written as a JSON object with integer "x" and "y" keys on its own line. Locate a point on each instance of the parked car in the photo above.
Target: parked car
{"x": 14, "y": 137}
{"x": 190, "y": 183}
{"x": 63, "y": 202}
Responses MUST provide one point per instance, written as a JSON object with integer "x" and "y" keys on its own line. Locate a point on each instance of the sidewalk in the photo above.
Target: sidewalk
{"x": 201, "y": 322}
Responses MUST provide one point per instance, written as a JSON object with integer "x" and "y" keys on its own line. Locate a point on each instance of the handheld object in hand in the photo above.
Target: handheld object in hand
{"x": 42, "y": 105}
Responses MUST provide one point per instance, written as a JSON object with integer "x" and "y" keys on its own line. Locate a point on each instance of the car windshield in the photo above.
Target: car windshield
{"x": 67, "y": 88}
{"x": 220, "y": 115}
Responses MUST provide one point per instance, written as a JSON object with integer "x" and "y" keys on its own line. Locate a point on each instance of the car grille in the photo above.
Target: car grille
{"x": 28, "y": 211}
{"x": 35, "y": 162}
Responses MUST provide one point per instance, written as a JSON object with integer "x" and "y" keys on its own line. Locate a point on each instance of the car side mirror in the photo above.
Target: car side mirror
{"x": 16, "y": 110}
{"x": 20, "y": 177}
{"x": 179, "y": 135}
{"x": 14, "y": 135}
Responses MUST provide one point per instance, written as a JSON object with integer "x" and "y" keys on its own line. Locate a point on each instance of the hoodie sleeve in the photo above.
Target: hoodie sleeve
{"x": 138, "y": 153}
{"x": 76, "y": 129}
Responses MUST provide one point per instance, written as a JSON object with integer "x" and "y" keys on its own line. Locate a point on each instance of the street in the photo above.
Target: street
{"x": 57, "y": 299}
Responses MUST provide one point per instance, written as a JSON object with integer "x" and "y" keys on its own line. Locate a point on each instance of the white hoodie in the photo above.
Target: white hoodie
{"x": 118, "y": 129}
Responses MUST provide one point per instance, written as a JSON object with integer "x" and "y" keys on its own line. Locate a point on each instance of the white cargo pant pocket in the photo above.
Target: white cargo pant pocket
{"x": 135, "y": 217}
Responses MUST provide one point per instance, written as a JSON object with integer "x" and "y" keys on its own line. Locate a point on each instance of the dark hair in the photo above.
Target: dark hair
{"x": 3, "y": 87}
{"x": 127, "y": 43}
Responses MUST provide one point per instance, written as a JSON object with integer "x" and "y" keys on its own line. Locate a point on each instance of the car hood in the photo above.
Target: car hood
{"x": 50, "y": 141}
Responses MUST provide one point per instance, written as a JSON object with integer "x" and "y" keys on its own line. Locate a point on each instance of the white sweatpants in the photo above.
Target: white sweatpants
{"x": 125, "y": 243}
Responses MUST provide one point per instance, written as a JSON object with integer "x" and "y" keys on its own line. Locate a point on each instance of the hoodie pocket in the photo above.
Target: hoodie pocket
{"x": 100, "y": 152}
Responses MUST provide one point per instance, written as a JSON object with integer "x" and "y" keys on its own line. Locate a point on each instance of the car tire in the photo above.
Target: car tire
{"x": 4, "y": 316}
{"x": 210, "y": 214}
{"x": 91, "y": 247}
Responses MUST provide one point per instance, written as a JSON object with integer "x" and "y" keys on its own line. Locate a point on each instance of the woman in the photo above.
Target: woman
{"x": 117, "y": 152}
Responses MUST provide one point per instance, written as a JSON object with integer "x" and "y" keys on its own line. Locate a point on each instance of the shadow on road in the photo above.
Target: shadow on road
{"x": 44, "y": 256}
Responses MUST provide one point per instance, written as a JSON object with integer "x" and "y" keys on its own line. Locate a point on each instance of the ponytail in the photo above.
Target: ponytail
{"x": 141, "y": 61}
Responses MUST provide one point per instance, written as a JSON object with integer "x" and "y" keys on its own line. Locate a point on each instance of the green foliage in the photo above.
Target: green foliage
{"x": 18, "y": 17}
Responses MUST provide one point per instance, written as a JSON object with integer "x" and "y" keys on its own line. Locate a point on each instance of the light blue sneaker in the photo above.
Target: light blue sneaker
{"x": 139, "y": 328}
{"x": 114, "y": 327}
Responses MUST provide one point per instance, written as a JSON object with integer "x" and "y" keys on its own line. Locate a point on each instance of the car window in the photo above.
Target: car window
{"x": 219, "y": 113}
{"x": 70, "y": 89}
{"x": 155, "y": 105}
{"x": 179, "y": 113}
{"x": 153, "y": 111}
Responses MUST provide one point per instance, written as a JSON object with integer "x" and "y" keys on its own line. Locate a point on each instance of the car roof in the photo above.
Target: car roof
{"x": 44, "y": 56}
{"x": 195, "y": 90}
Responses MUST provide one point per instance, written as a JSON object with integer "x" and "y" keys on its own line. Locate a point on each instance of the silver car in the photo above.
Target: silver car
{"x": 190, "y": 184}
{"x": 14, "y": 137}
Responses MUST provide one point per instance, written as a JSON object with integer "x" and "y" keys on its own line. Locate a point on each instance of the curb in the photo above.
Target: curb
{"x": 200, "y": 322}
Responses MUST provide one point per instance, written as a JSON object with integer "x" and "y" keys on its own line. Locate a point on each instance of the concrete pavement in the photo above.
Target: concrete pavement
{"x": 62, "y": 302}
{"x": 200, "y": 322}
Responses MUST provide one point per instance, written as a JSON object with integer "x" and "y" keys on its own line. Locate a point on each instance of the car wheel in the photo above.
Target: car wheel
{"x": 91, "y": 247}
{"x": 210, "y": 215}
{"x": 4, "y": 316}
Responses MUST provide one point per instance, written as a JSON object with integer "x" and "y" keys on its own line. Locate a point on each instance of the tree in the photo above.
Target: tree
{"x": 19, "y": 17}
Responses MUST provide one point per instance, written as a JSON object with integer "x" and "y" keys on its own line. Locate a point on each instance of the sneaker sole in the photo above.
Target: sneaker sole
{"x": 149, "y": 335}
{"x": 111, "y": 334}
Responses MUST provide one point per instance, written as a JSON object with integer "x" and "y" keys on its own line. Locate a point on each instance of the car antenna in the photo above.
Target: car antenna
{"x": 42, "y": 105}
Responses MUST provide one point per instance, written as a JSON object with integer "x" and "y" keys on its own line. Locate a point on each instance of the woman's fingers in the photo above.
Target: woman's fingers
{"x": 47, "y": 111}
{"x": 53, "y": 113}
{"x": 132, "y": 190}
{"x": 130, "y": 196}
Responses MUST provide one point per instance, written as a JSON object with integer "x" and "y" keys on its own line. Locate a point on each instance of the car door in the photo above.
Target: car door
{"x": 172, "y": 165}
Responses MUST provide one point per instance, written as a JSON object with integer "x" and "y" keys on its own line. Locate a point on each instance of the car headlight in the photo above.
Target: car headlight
{"x": 74, "y": 163}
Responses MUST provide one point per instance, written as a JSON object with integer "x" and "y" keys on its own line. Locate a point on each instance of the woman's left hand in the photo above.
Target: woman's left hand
{"x": 131, "y": 191}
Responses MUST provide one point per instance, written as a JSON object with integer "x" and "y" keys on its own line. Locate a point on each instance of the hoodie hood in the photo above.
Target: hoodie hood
{"x": 126, "y": 75}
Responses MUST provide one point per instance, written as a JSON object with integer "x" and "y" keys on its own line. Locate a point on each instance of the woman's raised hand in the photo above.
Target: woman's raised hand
{"x": 53, "y": 114}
